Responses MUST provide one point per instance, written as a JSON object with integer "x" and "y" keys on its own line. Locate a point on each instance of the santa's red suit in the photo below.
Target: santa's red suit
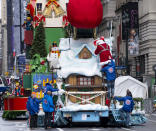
{"x": 103, "y": 50}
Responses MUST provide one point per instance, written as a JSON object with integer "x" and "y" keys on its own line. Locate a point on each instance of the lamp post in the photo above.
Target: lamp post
{"x": 154, "y": 69}
{"x": 20, "y": 21}
{"x": 127, "y": 66}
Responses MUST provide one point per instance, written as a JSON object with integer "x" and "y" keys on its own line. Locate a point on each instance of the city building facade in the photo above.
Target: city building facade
{"x": 1, "y": 47}
{"x": 107, "y": 26}
{"x": 108, "y": 16}
{"x": 12, "y": 33}
{"x": 127, "y": 21}
{"x": 147, "y": 42}
{"x": 4, "y": 36}
{"x": 136, "y": 44}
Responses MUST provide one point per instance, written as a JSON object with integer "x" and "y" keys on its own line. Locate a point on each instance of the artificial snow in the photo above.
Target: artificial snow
{"x": 70, "y": 62}
{"x": 86, "y": 107}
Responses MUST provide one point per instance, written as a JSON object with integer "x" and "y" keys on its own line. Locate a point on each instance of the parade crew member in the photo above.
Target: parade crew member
{"x": 48, "y": 108}
{"x": 47, "y": 104}
{"x": 110, "y": 76}
{"x": 33, "y": 108}
{"x": 127, "y": 107}
{"x": 49, "y": 87}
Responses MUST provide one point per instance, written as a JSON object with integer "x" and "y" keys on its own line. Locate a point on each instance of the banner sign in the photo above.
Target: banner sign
{"x": 129, "y": 19}
{"x": 39, "y": 81}
{"x": 133, "y": 43}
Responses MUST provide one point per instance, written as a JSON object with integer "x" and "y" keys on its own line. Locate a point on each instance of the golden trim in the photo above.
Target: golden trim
{"x": 15, "y": 97}
{"x": 27, "y": 88}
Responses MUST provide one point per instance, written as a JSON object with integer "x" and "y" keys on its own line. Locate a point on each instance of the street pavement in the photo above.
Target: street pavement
{"x": 21, "y": 125}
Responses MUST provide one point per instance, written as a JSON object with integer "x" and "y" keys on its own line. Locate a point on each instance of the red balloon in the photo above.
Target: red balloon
{"x": 85, "y": 13}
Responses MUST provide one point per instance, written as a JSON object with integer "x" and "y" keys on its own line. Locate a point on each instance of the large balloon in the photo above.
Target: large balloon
{"x": 85, "y": 13}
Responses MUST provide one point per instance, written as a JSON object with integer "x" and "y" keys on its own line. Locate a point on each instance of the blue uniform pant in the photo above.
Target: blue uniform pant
{"x": 47, "y": 119}
{"x": 125, "y": 116}
{"x": 110, "y": 88}
{"x": 33, "y": 120}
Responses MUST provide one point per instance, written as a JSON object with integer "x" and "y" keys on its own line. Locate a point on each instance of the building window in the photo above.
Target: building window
{"x": 39, "y": 6}
{"x": 85, "y": 81}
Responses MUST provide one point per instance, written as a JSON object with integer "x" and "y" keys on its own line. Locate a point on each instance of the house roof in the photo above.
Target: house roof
{"x": 78, "y": 50}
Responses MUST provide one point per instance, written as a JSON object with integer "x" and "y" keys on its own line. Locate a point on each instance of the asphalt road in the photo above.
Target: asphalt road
{"x": 21, "y": 125}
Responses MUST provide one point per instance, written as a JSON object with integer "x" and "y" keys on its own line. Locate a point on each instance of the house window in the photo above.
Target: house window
{"x": 85, "y": 55}
{"x": 39, "y": 6}
{"x": 85, "y": 81}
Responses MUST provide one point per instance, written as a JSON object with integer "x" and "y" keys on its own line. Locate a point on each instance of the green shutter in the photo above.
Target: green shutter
{"x": 27, "y": 81}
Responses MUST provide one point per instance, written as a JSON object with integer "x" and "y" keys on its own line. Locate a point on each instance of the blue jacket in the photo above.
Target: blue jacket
{"x": 47, "y": 103}
{"x": 128, "y": 103}
{"x": 33, "y": 105}
{"x": 49, "y": 88}
{"x": 110, "y": 71}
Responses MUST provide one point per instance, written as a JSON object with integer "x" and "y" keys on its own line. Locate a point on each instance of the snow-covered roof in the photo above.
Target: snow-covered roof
{"x": 70, "y": 62}
{"x": 78, "y": 50}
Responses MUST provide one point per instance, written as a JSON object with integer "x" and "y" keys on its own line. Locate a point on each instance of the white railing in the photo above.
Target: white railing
{"x": 88, "y": 100}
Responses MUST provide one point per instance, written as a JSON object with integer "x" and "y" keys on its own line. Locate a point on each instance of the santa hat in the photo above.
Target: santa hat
{"x": 98, "y": 42}
{"x": 102, "y": 38}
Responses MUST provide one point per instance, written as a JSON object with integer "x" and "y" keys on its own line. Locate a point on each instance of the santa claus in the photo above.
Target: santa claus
{"x": 103, "y": 50}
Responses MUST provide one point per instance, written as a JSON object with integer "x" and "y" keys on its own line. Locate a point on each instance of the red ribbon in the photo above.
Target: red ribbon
{"x": 52, "y": 1}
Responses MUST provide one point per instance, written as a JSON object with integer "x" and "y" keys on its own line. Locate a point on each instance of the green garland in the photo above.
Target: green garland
{"x": 11, "y": 115}
{"x": 135, "y": 99}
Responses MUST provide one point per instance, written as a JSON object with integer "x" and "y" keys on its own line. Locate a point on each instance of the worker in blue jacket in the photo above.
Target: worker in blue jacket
{"x": 109, "y": 70}
{"x": 127, "y": 108}
{"x": 33, "y": 108}
{"x": 48, "y": 106}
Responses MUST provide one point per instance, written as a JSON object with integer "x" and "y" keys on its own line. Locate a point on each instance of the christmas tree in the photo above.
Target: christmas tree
{"x": 38, "y": 46}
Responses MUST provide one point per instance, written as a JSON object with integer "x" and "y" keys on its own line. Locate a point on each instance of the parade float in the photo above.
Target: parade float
{"x": 77, "y": 68}
{"x": 14, "y": 100}
{"x": 85, "y": 86}
{"x": 74, "y": 65}
{"x": 85, "y": 90}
